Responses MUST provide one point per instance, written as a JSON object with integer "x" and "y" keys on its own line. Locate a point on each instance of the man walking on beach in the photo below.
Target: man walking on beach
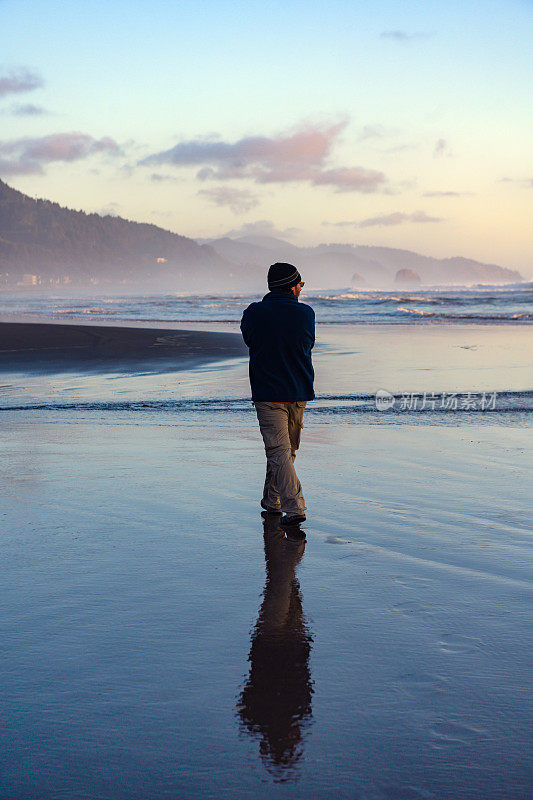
{"x": 280, "y": 333}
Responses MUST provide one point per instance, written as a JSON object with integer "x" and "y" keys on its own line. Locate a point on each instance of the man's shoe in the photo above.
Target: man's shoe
{"x": 292, "y": 519}
{"x": 269, "y": 510}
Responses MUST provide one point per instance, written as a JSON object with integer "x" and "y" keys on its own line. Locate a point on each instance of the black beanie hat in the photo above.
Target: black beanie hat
{"x": 283, "y": 276}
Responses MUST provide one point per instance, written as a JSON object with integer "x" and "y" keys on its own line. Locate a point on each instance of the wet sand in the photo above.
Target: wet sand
{"x": 156, "y": 644}
{"x": 58, "y": 347}
{"x": 158, "y": 639}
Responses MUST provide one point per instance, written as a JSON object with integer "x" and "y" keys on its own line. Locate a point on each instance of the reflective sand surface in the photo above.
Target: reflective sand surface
{"x": 159, "y": 640}
{"x": 149, "y": 650}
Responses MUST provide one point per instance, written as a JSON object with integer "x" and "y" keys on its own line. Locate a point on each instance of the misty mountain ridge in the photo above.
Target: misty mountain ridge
{"x": 43, "y": 244}
{"x": 360, "y": 266}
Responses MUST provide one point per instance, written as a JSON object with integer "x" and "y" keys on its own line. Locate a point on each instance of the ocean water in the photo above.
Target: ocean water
{"x": 438, "y": 353}
{"x": 512, "y": 303}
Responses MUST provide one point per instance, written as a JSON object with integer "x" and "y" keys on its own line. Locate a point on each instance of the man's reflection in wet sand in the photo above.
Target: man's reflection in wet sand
{"x": 275, "y": 704}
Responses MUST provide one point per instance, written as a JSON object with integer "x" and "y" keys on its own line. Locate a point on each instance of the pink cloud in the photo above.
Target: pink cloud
{"x": 28, "y": 155}
{"x": 350, "y": 179}
{"x": 308, "y": 145}
{"x": 300, "y": 155}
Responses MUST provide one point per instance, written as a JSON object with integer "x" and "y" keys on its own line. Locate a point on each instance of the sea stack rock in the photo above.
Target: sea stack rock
{"x": 407, "y": 277}
{"x": 357, "y": 281}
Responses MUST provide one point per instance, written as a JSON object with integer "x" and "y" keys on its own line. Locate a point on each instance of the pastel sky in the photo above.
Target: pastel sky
{"x": 403, "y": 124}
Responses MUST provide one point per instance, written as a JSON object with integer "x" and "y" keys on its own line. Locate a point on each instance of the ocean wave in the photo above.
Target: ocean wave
{"x": 405, "y": 403}
{"x": 510, "y": 304}
{"x": 418, "y": 311}
{"x": 473, "y": 316}
{"x": 372, "y": 298}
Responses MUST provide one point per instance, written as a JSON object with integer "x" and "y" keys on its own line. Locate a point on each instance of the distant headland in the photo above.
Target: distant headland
{"x": 45, "y": 246}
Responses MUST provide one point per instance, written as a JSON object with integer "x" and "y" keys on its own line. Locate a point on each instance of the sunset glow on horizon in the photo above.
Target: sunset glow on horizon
{"x": 394, "y": 124}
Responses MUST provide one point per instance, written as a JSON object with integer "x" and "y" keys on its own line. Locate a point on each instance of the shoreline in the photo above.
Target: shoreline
{"x": 421, "y": 322}
{"x": 59, "y": 346}
{"x": 349, "y": 359}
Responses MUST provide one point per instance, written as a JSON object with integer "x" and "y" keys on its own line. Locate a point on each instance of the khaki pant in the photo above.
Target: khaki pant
{"x": 281, "y": 426}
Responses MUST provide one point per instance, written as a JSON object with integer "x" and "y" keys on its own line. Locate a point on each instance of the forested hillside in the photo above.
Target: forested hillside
{"x": 51, "y": 242}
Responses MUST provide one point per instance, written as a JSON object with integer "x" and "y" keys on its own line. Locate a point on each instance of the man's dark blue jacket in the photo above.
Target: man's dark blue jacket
{"x": 280, "y": 334}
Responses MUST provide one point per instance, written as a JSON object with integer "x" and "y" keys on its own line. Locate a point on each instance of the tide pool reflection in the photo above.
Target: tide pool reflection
{"x": 275, "y": 704}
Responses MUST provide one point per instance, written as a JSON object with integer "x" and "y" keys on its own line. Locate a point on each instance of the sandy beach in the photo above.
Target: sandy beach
{"x": 159, "y": 641}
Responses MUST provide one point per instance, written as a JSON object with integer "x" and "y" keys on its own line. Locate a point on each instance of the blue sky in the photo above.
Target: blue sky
{"x": 395, "y": 123}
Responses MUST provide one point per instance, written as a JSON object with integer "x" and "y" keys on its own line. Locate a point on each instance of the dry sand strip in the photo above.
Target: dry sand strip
{"x": 50, "y": 347}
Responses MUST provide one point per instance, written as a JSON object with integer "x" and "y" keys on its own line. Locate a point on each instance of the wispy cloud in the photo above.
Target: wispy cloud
{"x": 157, "y": 177}
{"x": 381, "y": 139}
{"x": 373, "y": 132}
{"x": 386, "y": 220}
{"x": 447, "y": 194}
{"x": 18, "y": 81}
{"x": 441, "y": 148}
{"x": 8, "y": 168}
{"x": 405, "y": 36}
{"x": 29, "y": 110}
{"x": 350, "y": 179}
{"x": 346, "y": 223}
{"x": 261, "y": 227}
{"x": 527, "y": 183}
{"x": 398, "y": 218}
{"x": 111, "y": 210}
{"x": 300, "y": 155}
{"x": 30, "y": 155}
{"x": 238, "y": 200}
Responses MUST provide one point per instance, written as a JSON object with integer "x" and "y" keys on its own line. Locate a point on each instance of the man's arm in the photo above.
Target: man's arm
{"x": 310, "y": 327}
{"x": 245, "y": 328}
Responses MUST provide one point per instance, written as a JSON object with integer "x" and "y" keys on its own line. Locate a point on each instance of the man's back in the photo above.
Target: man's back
{"x": 280, "y": 333}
